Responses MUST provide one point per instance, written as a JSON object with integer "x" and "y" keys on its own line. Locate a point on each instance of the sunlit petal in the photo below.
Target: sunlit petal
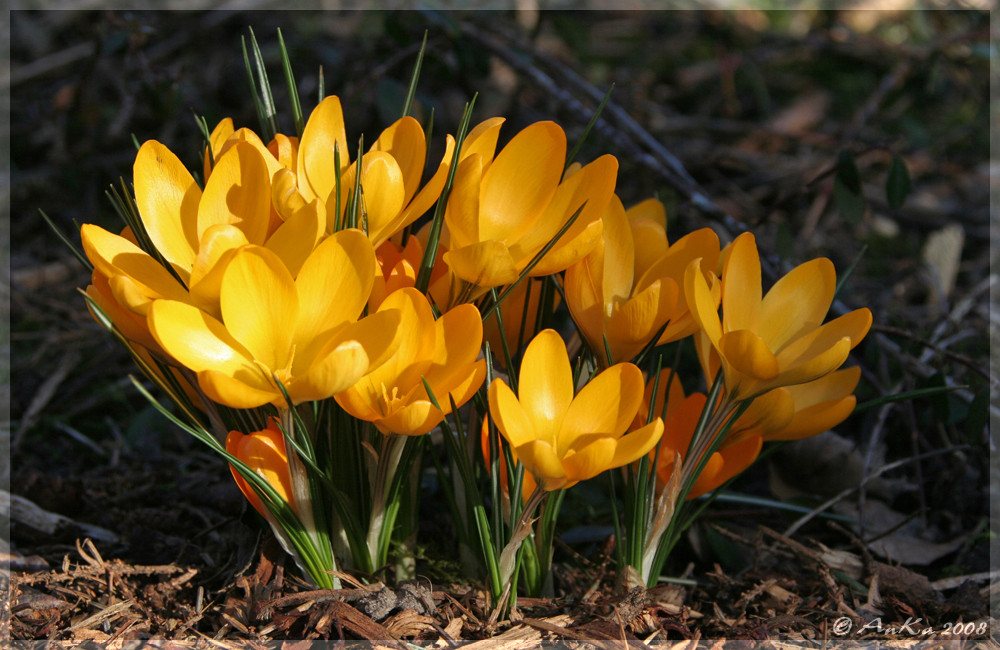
{"x": 741, "y": 288}
{"x": 258, "y": 302}
{"x": 531, "y": 162}
{"x": 511, "y": 418}
{"x": 333, "y": 285}
{"x": 545, "y": 384}
{"x": 238, "y": 193}
{"x": 316, "y": 169}
{"x": 797, "y": 302}
{"x": 606, "y": 405}
{"x": 167, "y": 197}
{"x": 636, "y": 444}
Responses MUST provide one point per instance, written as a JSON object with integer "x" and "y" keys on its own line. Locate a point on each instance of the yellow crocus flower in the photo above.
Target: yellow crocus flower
{"x": 503, "y": 211}
{"x": 302, "y": 332}
{"x": 442, "y": 352}
{"x": 561, "y": 438}
{"x": 777, "y": 340}
{"x": 628, "y": 288}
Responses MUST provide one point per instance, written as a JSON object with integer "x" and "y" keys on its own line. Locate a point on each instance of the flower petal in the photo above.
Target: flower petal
{"x": 703, "y": 307}
{"x": 539, "y": 458}
{"x": 218, "y": 245}
{"x": 590, "y": 460}
{"x": 545, "y": 384}
{"x": 316, "y": 170}
{"x": 605, "y": 406}
{"x": 748, "y": 354}
{"x": 167, "y": 197}
{"x": 741, "y": 288}
{"x": 636, "y": 444}
{"x": 404, "y": 140}
{"x": 115, "y": 255}
{"x": 532, "y": 163}
{"x": 333, "y": 286}
{"x": 797, "y": 302}
{"x": 590, "y": 190}
{"x": 383, "y": 194}
{"x": 485, "y": 264}
{"x": 236, "y": 393}
{"x": 259, "y": 303}
{"x": 238, "y": 193}
{"x": 510, "y": 417}
{"x": 297, "y": 237}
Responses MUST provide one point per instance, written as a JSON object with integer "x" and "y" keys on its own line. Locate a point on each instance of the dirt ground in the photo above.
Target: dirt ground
{"x": 123, "y": 529}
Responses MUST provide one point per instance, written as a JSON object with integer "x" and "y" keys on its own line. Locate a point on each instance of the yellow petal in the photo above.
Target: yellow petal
{"x": 486, "y": 264}
{"x": 588, "y": 191}
{"x": 383, "y": 194}
{"x": 167, "y": 198}
{"x": 771, "y": 411}
{"x": 462, "y": 215}
{"x": 250, "y": 391}
{"x": 413, "y": 346}
{"x": 458, "y": 339}
{"x": 131, "y": 325}
{"x": 285, "y": 194}
{"x": 259, "y": 305}
{"x": 218, "y": 245}
{"x": 510, "y": 417}
{"x": 222, "y": 131}
{"x": 295, "y": 239}
{"x": 431, "y": 191}
{"x": 651, "y": 210}
{"x": 701, "y": 244}
{"x": 619, "y": 253}
{"x": 853, "y": 325}
{"x": 741, "y": 287}
{"x": 636, "y": 444}
{"x": 285, "y": 150}
{"x": 797, "y": 302}
{"x": 539, "y": 458}
{"x": 316, "y": 170}
{"x": 545, "y": 384}
{"x": 582, "y": 286}
{"x": 405, "y": 142}
{"x": 637, "y": 321}
{"x": 202, "y": 343}
{"x": 605, "y": 406}
{"x": 748, "y": 354}
{"x": 115, "y": 255}
{"x": 238, "y": 193}
{"x": 333, "y": 285}
{"x": 247, "y": 136}
{"x": 414, "y": 419}
{"x": 703, "y": 307}
{"x": 808, "y": 368}
{"x": 482, "y": 140}
{"x": 532, "y": 163}
{"x": 590, "y": 460}
{"x": 335, "y": 371}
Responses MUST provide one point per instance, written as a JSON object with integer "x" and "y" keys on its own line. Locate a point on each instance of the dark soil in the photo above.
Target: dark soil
{"x": 736, "y": 120}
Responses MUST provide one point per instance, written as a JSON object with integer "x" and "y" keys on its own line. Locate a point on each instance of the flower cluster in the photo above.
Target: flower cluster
{"x": 325, "y": 323}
